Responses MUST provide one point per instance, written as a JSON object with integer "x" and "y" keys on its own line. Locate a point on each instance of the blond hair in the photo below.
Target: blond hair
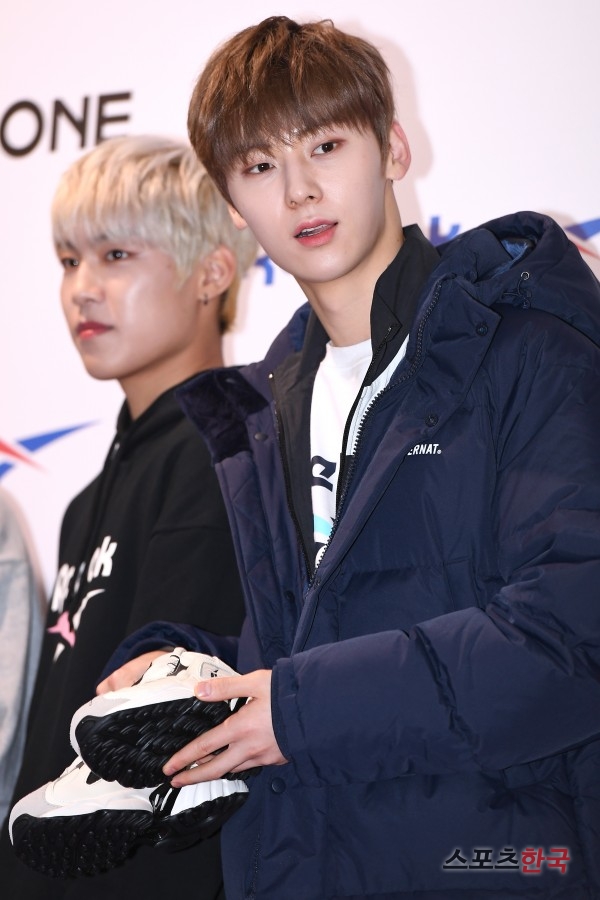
{"x": 154, "y": 189}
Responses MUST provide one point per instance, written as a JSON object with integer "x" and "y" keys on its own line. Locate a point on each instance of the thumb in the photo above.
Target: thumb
{"x": 219, "y": 688}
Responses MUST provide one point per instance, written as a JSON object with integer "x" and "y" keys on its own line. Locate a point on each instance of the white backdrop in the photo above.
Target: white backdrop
{"x": 499, "y": 102}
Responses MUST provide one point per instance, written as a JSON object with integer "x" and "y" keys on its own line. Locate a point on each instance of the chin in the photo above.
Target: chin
{"x": 100, "y": 373}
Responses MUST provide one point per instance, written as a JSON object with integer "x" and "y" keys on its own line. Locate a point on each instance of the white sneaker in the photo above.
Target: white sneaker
{"x": 196, "y": 811}
{"x": 82, "y": 825}
{"x": 129, "y": 734}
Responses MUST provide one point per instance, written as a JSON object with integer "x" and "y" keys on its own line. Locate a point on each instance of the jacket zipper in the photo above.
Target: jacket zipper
{"x": 349, "y": 469}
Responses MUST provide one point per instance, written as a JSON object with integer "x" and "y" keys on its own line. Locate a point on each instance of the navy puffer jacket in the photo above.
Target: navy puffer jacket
{"x": 436, "y": 681}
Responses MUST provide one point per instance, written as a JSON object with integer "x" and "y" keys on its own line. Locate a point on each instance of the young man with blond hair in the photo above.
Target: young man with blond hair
{"x": 151, "y": 269}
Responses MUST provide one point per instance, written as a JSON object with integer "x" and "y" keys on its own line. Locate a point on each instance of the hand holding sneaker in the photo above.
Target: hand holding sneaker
{"x": 105, "y": 805}
{"x": 130, "y": 672}
{"x": 128, "y": 735}
{"x": 248, "y": 736}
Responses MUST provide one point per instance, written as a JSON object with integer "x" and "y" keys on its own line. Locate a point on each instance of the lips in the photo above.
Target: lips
{"x": 91, "y": 329}
{"x": 315, "y": 233}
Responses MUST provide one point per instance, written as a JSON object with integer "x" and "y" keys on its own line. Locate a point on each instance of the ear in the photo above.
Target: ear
{"x": 398, "y": 160}
{"x": 216, "y": 272}
{"x": 237, "y": 220}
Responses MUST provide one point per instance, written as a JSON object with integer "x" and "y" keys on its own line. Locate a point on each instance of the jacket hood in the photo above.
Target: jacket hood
{"x": 161, "y": 415}
{"x": 525, "y": 260}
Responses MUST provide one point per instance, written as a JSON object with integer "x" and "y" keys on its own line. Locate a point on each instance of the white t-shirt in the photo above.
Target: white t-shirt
{"x": 337, "y": 383}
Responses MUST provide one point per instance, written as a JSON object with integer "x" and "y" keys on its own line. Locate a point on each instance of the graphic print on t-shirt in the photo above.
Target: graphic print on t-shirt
{"x": 324, "y": 474}
{"x": 336, "y": 385}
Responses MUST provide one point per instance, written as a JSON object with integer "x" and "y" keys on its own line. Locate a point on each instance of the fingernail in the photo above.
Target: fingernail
{"x": 203, "y": 689}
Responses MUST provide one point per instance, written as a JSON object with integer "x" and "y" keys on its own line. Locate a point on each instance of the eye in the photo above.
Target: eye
{"x": 68, "y": 262}
{"x": 326, "y": 147}
{"x": 258, "y": 168}
{"x": 117, "y": 254}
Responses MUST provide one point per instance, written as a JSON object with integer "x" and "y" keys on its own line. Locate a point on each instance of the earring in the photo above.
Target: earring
{"x": 205, "y": 299}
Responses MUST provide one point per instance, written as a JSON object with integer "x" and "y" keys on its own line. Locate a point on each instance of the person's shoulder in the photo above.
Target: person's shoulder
{"x": 12, "y": 541}
{"x": 537, "y": 364}
{"x": 83, "y": 498}
{"x": 541, "y": 330}
{"x": 185, "y": 443}
{"x": 175, "y": 434}
{"x": 529, "y": 342}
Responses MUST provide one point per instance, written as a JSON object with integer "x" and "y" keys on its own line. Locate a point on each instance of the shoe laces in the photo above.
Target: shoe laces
{"x": 175, "y": 665}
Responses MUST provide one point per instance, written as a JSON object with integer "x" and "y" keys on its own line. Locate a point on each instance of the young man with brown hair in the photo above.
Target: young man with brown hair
{"x": 413, "y": 481}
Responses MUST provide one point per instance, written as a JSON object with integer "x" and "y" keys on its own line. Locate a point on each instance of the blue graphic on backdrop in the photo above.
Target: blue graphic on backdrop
{"x": 22, "y": 450}
{"x": 435, "y": 235}
{"x": 583, "y": 232}
{"x": 269, "y": 268}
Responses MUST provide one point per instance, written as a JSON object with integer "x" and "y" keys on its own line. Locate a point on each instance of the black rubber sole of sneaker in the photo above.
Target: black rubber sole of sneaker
{"x": 131, "y": 746}
{"x": 71, "y": 846}
{"x": 197, "y": 823}
{"x": 75, "y": 846}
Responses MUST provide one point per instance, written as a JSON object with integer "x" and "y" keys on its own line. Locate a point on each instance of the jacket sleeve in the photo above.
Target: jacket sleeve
{"x": 480, "y": 688}
{"x": 158, "y": 635}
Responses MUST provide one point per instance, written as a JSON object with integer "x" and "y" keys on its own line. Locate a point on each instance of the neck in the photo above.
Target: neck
{"x": 344, "y": 305}
{"x": 142, "y": 390}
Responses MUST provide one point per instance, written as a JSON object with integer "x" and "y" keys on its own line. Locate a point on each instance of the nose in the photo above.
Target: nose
{"x": 301, "y": 184}
{"x": 83, "y": 286}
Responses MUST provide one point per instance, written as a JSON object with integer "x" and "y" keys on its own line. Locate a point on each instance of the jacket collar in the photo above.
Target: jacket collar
{"x": 397, "y": 292}
{"x": 393, "y": 307}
